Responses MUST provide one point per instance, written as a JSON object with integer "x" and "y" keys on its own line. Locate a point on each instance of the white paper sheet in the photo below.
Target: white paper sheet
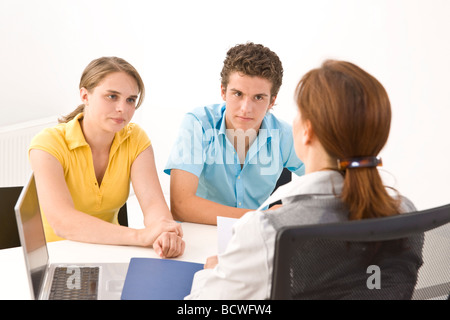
{"x": 224, "y": 232}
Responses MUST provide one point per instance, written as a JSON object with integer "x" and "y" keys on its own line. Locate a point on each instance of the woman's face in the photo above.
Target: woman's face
{"x": 111, "y": 105}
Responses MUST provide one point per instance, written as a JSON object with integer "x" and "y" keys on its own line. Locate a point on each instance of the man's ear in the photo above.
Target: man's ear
{"x": 272, "y": 102}
{"x": 223, "y": 92}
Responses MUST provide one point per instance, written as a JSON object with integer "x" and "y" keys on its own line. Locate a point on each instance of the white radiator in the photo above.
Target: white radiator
{"x": 14, "y": 141}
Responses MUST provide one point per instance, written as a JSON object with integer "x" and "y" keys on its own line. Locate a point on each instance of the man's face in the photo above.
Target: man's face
{"x": 248, "y": 99}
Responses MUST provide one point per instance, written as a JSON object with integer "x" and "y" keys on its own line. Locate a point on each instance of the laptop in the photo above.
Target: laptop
{"x": 101, "y": 281}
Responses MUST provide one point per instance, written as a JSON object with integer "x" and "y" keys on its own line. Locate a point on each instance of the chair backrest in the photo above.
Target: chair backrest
{"x": 285, "y": 177}
{"x": 123, "y": 216}
{"x": 331, "y": 261}
{"x": 9, "y": 235}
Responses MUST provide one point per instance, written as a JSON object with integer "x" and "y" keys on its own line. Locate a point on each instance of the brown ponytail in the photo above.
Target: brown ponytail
{"x": 73, "y": 114}
{"x": 350, "y": 113}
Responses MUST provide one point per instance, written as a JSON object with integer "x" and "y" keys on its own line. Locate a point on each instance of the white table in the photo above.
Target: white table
{"x": 201, "y": 242}
{"x": 200, "y": 239}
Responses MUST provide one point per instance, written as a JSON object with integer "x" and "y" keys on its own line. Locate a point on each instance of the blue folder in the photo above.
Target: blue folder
{"x": 158, "y": 279}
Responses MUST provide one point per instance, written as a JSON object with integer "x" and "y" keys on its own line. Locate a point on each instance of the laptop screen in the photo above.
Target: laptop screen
{"x": 32, "y": 237}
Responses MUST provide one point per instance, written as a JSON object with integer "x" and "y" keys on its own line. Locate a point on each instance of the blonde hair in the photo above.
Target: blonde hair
{"x": 96, "y": 71}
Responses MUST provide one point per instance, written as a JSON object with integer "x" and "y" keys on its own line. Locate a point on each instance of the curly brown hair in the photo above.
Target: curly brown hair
{"x": 253, "y": 60}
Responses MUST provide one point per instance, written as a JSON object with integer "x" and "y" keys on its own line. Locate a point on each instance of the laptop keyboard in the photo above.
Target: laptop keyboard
{"x": 75, "y": 283}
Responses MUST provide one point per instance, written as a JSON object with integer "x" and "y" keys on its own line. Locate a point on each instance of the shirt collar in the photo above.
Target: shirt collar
{"x": 319, "y": 182}
{"x": 75, "y": 137}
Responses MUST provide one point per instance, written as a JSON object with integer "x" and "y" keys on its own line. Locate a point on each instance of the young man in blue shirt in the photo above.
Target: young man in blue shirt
{"x": 228, "y": 157}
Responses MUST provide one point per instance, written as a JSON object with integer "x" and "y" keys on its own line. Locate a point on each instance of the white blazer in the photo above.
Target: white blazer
{"x": 244, "y": 270}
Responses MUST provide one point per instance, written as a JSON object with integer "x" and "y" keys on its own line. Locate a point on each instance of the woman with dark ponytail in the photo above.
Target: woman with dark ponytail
{"x": 342, "y": 124}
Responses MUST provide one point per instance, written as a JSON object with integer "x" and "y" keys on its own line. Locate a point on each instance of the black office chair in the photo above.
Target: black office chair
{"x": 123, "y": 216}
{"x": 285, "y": 177}
{"x": 328, "y": 261}
{"x": 9, "y": 235}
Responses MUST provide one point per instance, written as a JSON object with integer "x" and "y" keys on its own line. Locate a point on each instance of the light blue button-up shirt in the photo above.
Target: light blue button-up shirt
{"x": 202, "y": 148}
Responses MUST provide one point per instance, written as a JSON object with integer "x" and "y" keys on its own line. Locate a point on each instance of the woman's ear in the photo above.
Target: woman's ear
{"x": 84, "y": 95}
{"x": 308, "y": 132}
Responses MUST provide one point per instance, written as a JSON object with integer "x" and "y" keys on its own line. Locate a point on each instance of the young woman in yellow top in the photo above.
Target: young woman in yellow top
{"x": 83, "y": 166}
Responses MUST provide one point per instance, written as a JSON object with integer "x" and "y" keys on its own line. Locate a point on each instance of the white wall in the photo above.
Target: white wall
{"x": 179, "y": 46}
